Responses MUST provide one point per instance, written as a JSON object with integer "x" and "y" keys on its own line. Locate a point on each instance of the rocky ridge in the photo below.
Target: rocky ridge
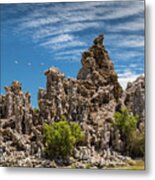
{"x": 91, "y": 100}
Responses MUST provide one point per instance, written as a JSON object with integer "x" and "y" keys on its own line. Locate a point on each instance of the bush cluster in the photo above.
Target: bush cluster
{"x": 61, "y": 137}
{"x": 133, "y": 138}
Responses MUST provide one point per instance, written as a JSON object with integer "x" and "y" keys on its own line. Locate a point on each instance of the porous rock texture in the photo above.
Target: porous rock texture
{"x": 20, "y": 130}
{"x": 134, "y": 98}
{"x": 91, "y": 100}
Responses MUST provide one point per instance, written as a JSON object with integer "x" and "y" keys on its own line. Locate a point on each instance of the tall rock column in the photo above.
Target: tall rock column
{"x": 18, "y": 107}
{"x": 51, "y": 102}
{"x": 98, "y": 67}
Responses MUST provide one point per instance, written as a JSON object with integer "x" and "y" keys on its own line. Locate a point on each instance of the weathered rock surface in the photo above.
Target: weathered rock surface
{"x": 91, "y": 100}
{"x": 135, "y": 97}
{"x": 17, "y": 108}
{"x": 20, "y": 135}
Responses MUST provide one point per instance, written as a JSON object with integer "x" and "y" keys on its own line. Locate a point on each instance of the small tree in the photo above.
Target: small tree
{"x": 125, "y": 122}
{"x": 61, "y": 137}
{"x": 134, "y": 139}
{"x": 137, "y": 144}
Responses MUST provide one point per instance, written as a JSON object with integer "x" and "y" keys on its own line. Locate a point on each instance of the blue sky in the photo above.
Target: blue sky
{"x": 35, "y": 37}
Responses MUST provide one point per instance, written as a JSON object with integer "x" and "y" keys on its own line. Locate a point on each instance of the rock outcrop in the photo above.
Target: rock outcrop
{"x": 95, "y": 87}
{"x": 20, "y": 135}
{"x": 91, "y": 100}
{"x": 134, "y": 98}
{"x": 16, "y": 106}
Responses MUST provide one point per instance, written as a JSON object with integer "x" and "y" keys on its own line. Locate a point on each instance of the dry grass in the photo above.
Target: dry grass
{"x": 139, "y": 165}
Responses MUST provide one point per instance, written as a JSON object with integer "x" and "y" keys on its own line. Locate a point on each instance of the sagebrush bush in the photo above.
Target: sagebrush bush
{"x": 61, "y": 137}
{"x": 125, "y": 122}
{"x": 133, "y": 138}
{"x": 137, "y": 144}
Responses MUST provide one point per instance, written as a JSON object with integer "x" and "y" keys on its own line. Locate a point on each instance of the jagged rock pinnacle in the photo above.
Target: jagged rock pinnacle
{"x": 96, "y": 58}
{"x": 16, "y": 87}
{"x": 98, "y": 41}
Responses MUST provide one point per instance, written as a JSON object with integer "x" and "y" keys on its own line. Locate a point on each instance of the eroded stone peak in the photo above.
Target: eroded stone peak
{"x": 96, "y": 58}
{"x": 55, "y": 73}
{"x": 15, "y": 87}
{"x": 98, "y": 41}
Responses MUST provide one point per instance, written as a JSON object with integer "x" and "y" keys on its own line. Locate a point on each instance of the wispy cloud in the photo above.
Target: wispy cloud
{"x": 37, "y": 22}
{"x": 139, "y": 42}
{"x": 126, "y": 9}
{"x": 59, "y": 39}
{"x": 70, "y": 26}
{"x": 49, "y": 23}
{"x": 48, "y": 32}
{"x": 126, "y": 74}
{"x": 58, "y": 46}
{"x": 130, "y": 41}
{"x": 129, "y": 55}
{"x": 70, "y": 52}
{"x": 136, "y": 25}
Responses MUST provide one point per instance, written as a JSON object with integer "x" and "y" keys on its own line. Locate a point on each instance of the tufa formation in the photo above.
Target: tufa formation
{"x": 91, "y": 100}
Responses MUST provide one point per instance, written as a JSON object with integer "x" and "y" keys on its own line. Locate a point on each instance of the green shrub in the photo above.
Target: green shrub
{"x": 61, "y": 137}
{"x": 133, "y": 138}
{"x": 125, "y": 122}
{"x": 137, "y": 144}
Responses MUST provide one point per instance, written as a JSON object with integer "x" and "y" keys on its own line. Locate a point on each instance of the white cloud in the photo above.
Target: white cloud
{"x": 136, "y": 25}
{"x": 133, "y": 43}
{"x": 62, "y": 38}
{"x": 129, "y": 55}
{"x": 127, "y": 76}
{"x": 133, "y": 65}
{"x": 124, "y": 11}
{"x": 126, "y": 73}
{"x": 130, "y": 41}
{"x": 48, "y": 32}
{"x": 124, "y": 81}
{"x": 55, "y": 27}
{"x": 38, "y": 22}
{"x": 58, "y": 46}
{"x": 42, "y": 64}
{"x": 43, "y": 33}
{"x": 99, "y": 10}
{"x": 119, "y": 66}
{"x": 76, "y": 7}
{"x": 72, "y": 52}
